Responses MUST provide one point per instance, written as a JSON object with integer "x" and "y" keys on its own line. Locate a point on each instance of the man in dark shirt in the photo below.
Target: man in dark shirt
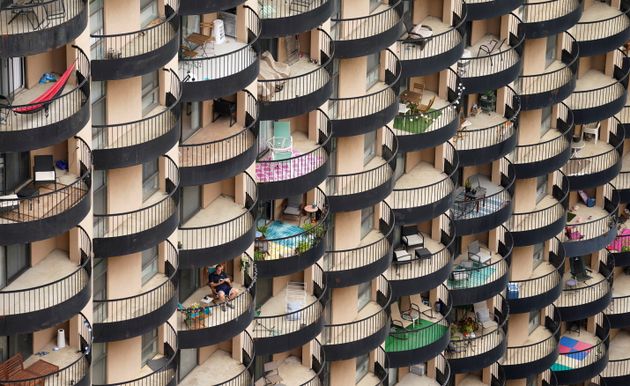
{"x": 222, "y": 285}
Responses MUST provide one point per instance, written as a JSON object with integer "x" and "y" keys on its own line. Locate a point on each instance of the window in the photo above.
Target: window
{"x": 149, "y": 345}
{"x": 99, "y": 113}
{"x": 264, "y": 133}
{"x": 374, "y": 4}
{"x": 369, "y": 147}
{"x": 14, "y": 259}
{"x": 148, "y": 11}
{"x": 367, "y": 220}
{"x": 11, "y": 76}
{"x": 541, "y": 188}
{"x": 150, "y": 92}
{"x": 364, "y": 295}
{"x": 149, "y": 263}
{"x": 150, "y": 181}
{"x": 13, "y": 344}
{"x": 534, "y": 320}
{"x": 190, "y": 202}
{"x": 99, "y": 198}
{"x": 187, "y": 361}
{"x": 550, "y": 55}
{"x": 14, "y": 171}
{"x": 97, "y": 21}
{"x": 100, "y": 287}
{"x": 538, "y": 255}
{"x": 373, "y": 64}
{"x": 400, "y": 166}
{"x": 545, "y": 121}
{"x": 191, "y": 121}
{"x": 190, "y": 24}
{"x": 188, "y": 282}
{"x": 362, "y": 367}
{"x": 99, "y": 363}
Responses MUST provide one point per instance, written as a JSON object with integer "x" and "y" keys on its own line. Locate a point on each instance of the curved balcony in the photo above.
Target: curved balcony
{"x": 206, "y": 325}
{"x": 420, "y": 56}
{"x": 538, "y": 352}
{"x": 48, "y": 293}
{"x": 596, "y": 164}
{"x": 204, "y": 241}
{"x": 481, "y": 69}
{"x": 433, "y": 128}
{"x": 423, "y": 339}
{"x": 551, "y": 152}
{"x": 128, "y": 317}
{"x": 281, "y": 256}
{"x": 196, "y": 7}
{"x": 590, "y": 294}
{"x": 117, "y": 234}
{"x": 472, "y": 281}
{"x": 129, "y": 54}
{"x": 294, "y": 370}
{"x": 486, "y": 137}
{"x": 624, "y": 118}
{"x": 44, "y": 210}
{"x": 206, "y": 162}
{"x": 618, "y": 311}
{"x": 425, "y": 192}
{"x": 443, "y": 375}
{"x": 584, "y": 355}
{"x": 306, "y": 168}
{"x": 361, "y": 114}
{"x": 482, "y": 347}
{"x": 422, "y": 272}
{"x": 475, "y": 214}
{"x": 348, "y": 267}
{"x": 354, "y": 191}
{"x": 543, "y": 18}
{"x": 598, "y": 96}
{"x": 133, "y": 143}
{"x": 166, "y": 373}
{"x": 209, "y": 73}
{"x": 71, "y": 362}
{"x": 542, "y": 287}
{"x": 617, "y": 372}
{"x": 368, "y": 34}
{"x": 280, "y": 18}
{"x": 45, "y": 125}
{"x": 620, "y": 247}
{"x": 308, "y": 86}
{"x": 602, "y": 28}
{"x": 30, "y": 28}
{"x": 366, "y": 332}
{"x": 489, "y": 9}
{"x": 276, "y": 330}
{"x": 594, "y": 228}
{"x": 555, "y": 83}
{"x": 547, "y": 218}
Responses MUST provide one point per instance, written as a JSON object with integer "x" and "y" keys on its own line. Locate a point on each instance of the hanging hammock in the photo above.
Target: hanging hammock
{"x": 42, "y": 101}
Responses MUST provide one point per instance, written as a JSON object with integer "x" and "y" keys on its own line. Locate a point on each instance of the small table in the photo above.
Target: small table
{"x": 410, "y": 315}
{"x": 422, "y": 254}
{"x": 199, "y": 40}
{"x": 312, "y": 212}
{"x": 410, "y": 96}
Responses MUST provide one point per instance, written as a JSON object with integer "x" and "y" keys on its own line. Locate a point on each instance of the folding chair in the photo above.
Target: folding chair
{"x": 44, "y": 170}
{"x": 281, "y": 144}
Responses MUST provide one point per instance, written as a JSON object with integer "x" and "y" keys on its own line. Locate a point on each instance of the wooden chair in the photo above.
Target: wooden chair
{"x": 425, "y": 108}
{"x": 11, "y": 366}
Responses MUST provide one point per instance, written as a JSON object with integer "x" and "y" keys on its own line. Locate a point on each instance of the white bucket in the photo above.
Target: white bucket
{"x": 218, "y": 31}
{"x": 61, "y": 338}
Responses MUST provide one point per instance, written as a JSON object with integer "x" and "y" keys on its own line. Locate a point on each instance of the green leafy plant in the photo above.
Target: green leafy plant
{"x": 317, "y": 229}
{"x": 245, "y": 264}
{"x": 467, "y": 325}
{"x": 303, "y": 246}
{"x": 412, "y": 109}
{"x": 262, "y": 228}
{"x": 259, "y": 255}
{"x": 625, "y": 248}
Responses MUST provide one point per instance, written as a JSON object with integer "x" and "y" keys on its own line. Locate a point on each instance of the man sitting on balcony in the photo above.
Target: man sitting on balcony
{"x": 220, "y": 283}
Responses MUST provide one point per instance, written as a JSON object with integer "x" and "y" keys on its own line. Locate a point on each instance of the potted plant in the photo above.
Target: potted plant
{"x": 467, "y": 326}
{"x": 259, "y": 255}
{"x": 467, "y": 186}
{"x": 302, "y": 246}
{"x": 245, "y": 264}
{"x": 262, "y": 229}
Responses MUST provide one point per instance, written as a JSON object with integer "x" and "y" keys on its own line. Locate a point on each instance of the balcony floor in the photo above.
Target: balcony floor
{"x": 293, "y": 372}
{"x": 567, "y": 298}
{"x": 122, "y": 310}
{"x": 471, "y": 380}
{"x": 371, "y": 308}
{"x": 218, "y": 368}
{"x": 488, "y": 63}
{"x": 215, "y": 132}
{"x": 533, "y": 153}
{"x": 542, "y": 83}
{"x": 277, "y": 306}
{"x": 216, "y": 318}
{"x": 61, "y": 358}
{"x": 368, "y": 27}
{"x": 361, "y": 107}
{"x": 369, "y": 379}
{"x": 293, "y": 87}
{"x": 447, "y": 41}
{"x": 293, "y": 167}
{"x": 565, "y": 362}
{"x": 409, "y": 270}
{"x": 411, "y": 379}
{"x": 349, "y": 186}
{"x": 468, "y": 138}
{"x": 426, "y": 124}
{"x": 136, "y": 224}
{"x": 487, "y": 207}
{"x": 214, "y": 69}
{"x": 621, "y": 288}
{"x": 422, "y": 175}
{"x": 420, "y": 334}
{"x": 530, "y": 288}
{"x": 619, "y": 348}
{"x": 222, "y": 209}
{"x": 540, "y": 334}
{"x": 345, "y": 261}
{"x": 580, "y": 163}
{"x": 133, "y": 134}
{"x": 584, "y": 214}
{"x": 533, "y": 220}
{"x": 595, "y": 12}
{"x": 593, "y": 80}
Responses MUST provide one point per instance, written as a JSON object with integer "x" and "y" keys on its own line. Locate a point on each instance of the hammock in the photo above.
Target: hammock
{"x": 42, "y": 101}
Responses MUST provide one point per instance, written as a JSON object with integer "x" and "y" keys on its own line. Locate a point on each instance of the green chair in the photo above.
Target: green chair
{"x": 281, "y": 144}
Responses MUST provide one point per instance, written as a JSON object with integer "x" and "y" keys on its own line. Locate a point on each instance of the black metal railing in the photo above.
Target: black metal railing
{"x": 618, "y": 305}
{"x": 278, "y": 9}
{"x": 302, "y": 84}
{"x": 483, "y": 137}
{"x": 364, "y": 255}
{"x": 216, "y": 315}
{"x": 38, "y": 15}
{"x": 57, "y": 199}
{"x": 586, "y": 230}
{"x": 539, "y": 83}
{"x": 405, "y": 339}
{"x": 210, "y": 67}
{"x": 443, "y": 374}
{"x": 57, "y": 109}
{"x": 537, "y": 12}
{"x": 343, "y": 333}
{"x": 26, "y": 300}
{"x": 139, "y": 220}
{"x": 318, "y": 364}
{"x": 246, "y": 376}
{"x": 595, "y": 97}
{"x": 483, "y": 64}
{"x": 421, "y": 267}
{"x": 136, "y": 43}
{"x": 462, "y": 346}
{"x": 591, "y": 354}
{"x": 366, "y": 180}
{"x": 381, "y": 366}
{"x": 127, "y": 134}
{"x": 468, "y": 207}
{"x": 532, "y": 352}
{"x": 438, "y": 43}
{"x": 362, "y": 27}
{"x": 539, "y": 218}
{"x": 268, "y": 326}
{"x": 131, "y": 307}
{"x": 602, "y": 28}
{"x": 299, "y": 164}
{"x": 617, "y": 367}
{"x": 353, "y": 107}
{"x": 598, "y": 287}
{"x": 541, "y": 151}
{"x": 549, "y": 378}
{"x": 591, "y": 164}
{"x": 295, "y": 245}
{"x": 535, "y": 286}
{"x": 167, "y": 372}
{"x": 224, "y": 149}
{"x": 418, "y": 196}
{"x": 208, "y": 236}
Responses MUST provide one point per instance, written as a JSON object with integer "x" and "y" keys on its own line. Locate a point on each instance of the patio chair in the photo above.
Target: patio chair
{"x": 44, "y": 170}
{"x": 592, "y": 129}
{"x": 293, "y": 207}
{"x": 425, "y": 108}
{"x": 281, "y": 144}
{"x": 9, "y": 203}
{"x": 482, "y": 313}
{"x": 272, "y": 375}
{"x": 475, "y": 183}
{"x": 412, "y": 238}
{"x": 578, "y": 269}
